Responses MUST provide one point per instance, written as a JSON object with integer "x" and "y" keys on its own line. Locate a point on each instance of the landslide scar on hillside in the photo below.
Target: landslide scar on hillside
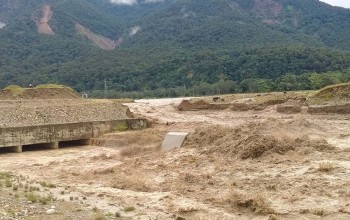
{"x": 42, "y": 19}
{"x": 99, "y": 40}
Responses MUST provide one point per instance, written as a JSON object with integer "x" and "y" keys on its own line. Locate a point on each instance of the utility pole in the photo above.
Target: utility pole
{"x": 106, "y": 91}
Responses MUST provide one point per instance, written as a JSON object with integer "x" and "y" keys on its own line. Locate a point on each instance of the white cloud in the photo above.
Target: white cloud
{"x": 134, "y": 30}
{"x": 2, "y": 25}
{"x": 134, "y": 2}
{"x": 340, "y": 3}
{"x": 152, "y": 1}
{"x": 124, "y": 2}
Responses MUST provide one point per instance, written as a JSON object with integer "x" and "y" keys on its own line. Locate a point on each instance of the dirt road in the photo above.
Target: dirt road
{"x": 234, "y": 165}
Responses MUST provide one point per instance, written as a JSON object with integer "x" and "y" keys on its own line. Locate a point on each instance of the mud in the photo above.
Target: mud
{"x": 335, "y": 109}
{"x": 252, "y": 140}
{"x": 287, "y": 102}
{"x": 187, "y": 105}
{"x": 288, "y": 109}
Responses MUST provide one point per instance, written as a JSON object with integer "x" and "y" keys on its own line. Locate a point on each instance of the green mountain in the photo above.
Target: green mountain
{"x": 177, "y": 45}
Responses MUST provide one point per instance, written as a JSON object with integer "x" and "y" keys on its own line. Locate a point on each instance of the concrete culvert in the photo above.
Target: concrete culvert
{"x": 74, "y": 143}
{"x": 39, "y": 147}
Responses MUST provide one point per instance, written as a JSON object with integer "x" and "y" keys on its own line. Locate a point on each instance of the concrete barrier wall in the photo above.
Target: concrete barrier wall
{"x": 18, "y": 136}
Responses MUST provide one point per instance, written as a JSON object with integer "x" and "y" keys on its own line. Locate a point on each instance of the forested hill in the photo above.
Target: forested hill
{"x": 185, "y": 45}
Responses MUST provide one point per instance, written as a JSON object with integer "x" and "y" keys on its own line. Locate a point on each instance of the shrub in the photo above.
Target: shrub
{"x": 129, "y": 209}
{"x": 326, "y": 167}
{"x": 121, "y": 127}
{"x": 32, "y": 197}
{"x": 13, "y": 87}
{"x": 49, "y": 185}
{"x": 52, "y": 86}
{"x": 8, "y": 183}
{"x": 15, "y": 187}
{"x": 36, "y": 198}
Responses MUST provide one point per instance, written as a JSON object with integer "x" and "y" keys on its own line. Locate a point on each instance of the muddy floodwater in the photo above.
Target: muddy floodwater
{"x": 253, "y": 164}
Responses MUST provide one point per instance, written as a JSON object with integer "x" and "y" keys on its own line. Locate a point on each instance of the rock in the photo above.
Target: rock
{"x": 50, "y": 211}
{"x": 53, "y": 207}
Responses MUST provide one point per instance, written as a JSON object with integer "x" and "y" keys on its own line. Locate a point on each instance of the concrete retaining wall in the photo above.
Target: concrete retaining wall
{"x": 42, "y": 134}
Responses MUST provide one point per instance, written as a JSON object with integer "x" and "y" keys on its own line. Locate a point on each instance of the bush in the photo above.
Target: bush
{"x": 13, "y": 87}
{"x": 129, "y": 209}
{"x": 52, "y": 86}
{"x": 121, "y": 127}
{"x": 36, "y": 198}
{"x": 326, "y": 167}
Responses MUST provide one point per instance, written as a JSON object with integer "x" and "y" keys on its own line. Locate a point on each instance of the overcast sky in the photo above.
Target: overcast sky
{"x": 132, "y": 2}
{"x": 341, "y": 3}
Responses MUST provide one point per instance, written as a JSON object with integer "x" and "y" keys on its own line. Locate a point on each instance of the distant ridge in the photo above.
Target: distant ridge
{"x": 179, "y": 44}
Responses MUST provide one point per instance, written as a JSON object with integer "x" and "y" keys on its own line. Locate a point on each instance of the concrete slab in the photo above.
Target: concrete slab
{"x": 173, "y": 140}
{"x": 53, "y": 145}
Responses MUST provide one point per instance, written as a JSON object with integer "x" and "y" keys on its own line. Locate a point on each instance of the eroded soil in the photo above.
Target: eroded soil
{"x": 100, "y": 41}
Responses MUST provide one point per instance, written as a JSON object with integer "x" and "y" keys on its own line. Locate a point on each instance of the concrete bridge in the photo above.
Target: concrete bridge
{"x": 52, "y": 136}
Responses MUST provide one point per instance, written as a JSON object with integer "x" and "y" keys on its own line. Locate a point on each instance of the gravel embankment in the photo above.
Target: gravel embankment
{"x": 39, "y": 112}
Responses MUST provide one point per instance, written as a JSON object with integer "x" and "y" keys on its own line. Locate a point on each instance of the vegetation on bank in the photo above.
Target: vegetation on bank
{"x": 334, "y": 93}
{"x": 288, "y": 82}
{"x": 15, "y": 91}
{"x": 42, "y": 86}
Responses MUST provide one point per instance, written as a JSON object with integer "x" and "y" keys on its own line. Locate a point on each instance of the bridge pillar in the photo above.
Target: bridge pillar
{"x": 17, "y": 149}
{"x": 53, "y": 145}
